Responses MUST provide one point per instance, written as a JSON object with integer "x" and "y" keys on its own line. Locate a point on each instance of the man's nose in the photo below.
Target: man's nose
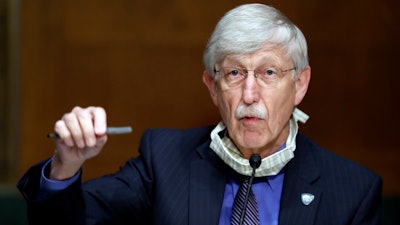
{"x": 251, "y": 89}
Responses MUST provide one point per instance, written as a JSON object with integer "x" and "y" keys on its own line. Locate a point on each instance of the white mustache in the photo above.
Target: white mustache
{"x": 253, "y": 110}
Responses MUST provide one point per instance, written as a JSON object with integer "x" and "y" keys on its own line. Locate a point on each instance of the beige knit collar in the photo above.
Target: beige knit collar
{"x": 270, "y": 165}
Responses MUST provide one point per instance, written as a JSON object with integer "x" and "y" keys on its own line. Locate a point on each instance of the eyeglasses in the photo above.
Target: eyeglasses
{"x": 235, "y": 76}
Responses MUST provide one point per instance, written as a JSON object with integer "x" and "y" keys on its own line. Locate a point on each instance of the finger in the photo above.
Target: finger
{"x": 74, "y": 127}
{"x": 61, "y": 129}
{"x": 99, "y": 120}
{"x": 76, "y": 109}
{"x": 85, "y": 120}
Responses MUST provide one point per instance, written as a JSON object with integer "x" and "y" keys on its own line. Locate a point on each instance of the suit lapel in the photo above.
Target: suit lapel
{"x": 301, "y": 177}
{"x": 207, "y": 186}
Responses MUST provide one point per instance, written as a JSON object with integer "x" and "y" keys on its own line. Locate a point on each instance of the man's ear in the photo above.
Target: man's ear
{"x": 302, "y": 82}
{"x": 209, "y": 81}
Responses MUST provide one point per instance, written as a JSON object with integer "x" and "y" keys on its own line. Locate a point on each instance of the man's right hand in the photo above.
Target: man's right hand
{"x": 82, "y": 136}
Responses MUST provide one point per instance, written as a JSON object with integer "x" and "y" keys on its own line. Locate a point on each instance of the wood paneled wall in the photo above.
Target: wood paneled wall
{"x": 142, "y": 61}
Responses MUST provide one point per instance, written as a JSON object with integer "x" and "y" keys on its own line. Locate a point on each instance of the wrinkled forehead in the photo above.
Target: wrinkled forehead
{"x": 264, "y": 56}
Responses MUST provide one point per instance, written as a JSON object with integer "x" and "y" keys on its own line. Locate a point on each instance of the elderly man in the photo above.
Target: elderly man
{"x": 257, "y": 72}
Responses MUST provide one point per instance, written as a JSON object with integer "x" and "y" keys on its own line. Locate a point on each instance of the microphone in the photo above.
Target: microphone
{"x": 255, "y": 162}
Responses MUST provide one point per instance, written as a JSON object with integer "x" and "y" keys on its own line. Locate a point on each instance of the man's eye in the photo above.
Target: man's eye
{"x": 270, "y": 72}
{"x": 234, "y": 72}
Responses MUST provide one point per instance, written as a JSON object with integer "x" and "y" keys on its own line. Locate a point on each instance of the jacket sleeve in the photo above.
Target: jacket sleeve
{"x": 60, "y": 208}
{"x": 119, "y": 198}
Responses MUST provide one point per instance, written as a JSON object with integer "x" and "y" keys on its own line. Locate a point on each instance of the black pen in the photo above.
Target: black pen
{"x": 110, "y": 130}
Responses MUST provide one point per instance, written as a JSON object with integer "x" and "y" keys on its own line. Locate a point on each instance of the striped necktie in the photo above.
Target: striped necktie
{"x": 251, "y": 214}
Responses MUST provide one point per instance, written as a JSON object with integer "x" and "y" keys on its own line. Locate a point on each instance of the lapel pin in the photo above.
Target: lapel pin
{"x": 307, "y": 198}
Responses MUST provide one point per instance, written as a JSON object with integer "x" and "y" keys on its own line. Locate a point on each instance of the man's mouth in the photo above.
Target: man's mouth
{"x": 249, "y": 119}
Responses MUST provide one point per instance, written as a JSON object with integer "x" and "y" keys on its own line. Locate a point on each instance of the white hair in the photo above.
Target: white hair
{"x": 247, "y": 28}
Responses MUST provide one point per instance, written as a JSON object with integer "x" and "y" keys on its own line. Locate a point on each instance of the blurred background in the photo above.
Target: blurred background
{"x": 142, "y": 61}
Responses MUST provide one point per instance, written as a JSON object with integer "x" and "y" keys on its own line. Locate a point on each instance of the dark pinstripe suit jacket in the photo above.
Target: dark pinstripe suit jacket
{"x": 178, "y": 179}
